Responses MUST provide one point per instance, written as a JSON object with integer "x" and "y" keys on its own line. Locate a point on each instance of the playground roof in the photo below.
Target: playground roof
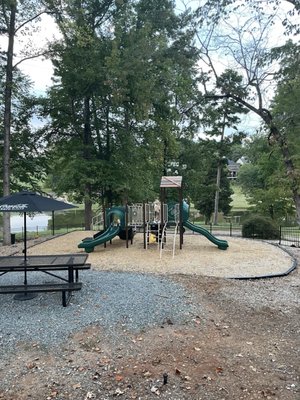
{"x": 171, "y": 181}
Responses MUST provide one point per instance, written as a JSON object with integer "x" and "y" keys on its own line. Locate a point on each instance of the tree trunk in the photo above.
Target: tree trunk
{"x": 7, "y": 120}
{"x": 217, "y": 195}
{"x": 88, "y": 215}
{"x": 291, "y": 172}
{"x": 87, "y": 138}
{"x": 219, "y": 170}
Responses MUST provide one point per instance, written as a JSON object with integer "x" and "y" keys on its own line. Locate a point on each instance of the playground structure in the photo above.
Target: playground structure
{"x": 157, "y": 220}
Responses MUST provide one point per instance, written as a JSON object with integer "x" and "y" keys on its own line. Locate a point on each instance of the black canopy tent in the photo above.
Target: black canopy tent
{"x": 26, "y": 202}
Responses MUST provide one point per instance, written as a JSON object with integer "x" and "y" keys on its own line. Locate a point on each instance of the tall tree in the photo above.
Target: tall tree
{"x": 245, "y": 44}
{"x": 263, "y": 180}
{"x": 15, "y": 17}
{"x": 10, "y": 10}
{"x": 221, "y": 119}
{"x": 122, "y": 103}
{"x": 201, "y": 163}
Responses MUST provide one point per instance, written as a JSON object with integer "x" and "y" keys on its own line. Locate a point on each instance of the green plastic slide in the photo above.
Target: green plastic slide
{"x": 222, "y": 244}
{"x": 90, "y": 243}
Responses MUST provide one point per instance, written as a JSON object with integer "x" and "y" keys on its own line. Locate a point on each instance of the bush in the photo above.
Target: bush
{"x": 259, "y": 227}
{"x": 70, "y": 219}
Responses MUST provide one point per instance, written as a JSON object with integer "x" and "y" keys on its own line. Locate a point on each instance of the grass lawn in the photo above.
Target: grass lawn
{"x": 239, "y": 202}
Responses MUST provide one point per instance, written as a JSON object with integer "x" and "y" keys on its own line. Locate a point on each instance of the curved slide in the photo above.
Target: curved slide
{"x": 89, "y": 243}
{"x": 222, "y": 244}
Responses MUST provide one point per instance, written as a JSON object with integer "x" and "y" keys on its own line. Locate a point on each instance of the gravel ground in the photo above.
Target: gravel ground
{"x": 111, "y": 299}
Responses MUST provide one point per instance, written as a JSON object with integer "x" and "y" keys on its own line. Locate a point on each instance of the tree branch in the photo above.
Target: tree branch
{"x": 31, "y": 57}
{"x": 31, "y": 19}
{"x": 263, "y": 113}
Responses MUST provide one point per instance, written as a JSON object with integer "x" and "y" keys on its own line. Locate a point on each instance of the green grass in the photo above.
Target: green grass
{"x": 239, "y": 201}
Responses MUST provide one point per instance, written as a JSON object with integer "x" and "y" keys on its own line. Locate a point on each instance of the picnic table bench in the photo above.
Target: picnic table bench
{"x": 49, "y": 264}
{"x": 65, "y": 288}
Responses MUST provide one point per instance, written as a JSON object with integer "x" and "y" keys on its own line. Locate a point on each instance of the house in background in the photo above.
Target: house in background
{"x": 233, "y": 167}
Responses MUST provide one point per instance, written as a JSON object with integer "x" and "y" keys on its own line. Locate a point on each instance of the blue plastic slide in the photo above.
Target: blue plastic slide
{"x": 90, "y": 243}
{"x": 222, "y": 244}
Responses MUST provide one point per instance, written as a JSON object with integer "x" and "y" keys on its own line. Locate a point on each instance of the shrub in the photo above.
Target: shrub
{"x": 259, "y": 227}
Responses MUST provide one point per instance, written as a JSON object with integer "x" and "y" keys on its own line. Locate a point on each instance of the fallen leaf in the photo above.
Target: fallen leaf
{"x": 31, "y": 365}
{"x": 77, "y": 386}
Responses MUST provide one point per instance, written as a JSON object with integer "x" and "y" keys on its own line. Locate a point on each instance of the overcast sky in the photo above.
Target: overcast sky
{"x": 40, "y": 70}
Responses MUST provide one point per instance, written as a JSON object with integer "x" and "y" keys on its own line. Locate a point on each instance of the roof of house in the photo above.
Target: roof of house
{"x": 171, "y": 181}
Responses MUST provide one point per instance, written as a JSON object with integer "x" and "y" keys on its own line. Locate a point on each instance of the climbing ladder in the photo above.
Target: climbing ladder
{"x": 167, "y": 231}
{"x": 97, "y": 221}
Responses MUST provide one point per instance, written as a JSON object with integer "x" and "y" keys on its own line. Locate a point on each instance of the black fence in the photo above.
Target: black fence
{"x": 42, "y": 231}
{"x": 290, "y": 236}
{"x": 228, "y": 229}
{"x": 287, "y": 236}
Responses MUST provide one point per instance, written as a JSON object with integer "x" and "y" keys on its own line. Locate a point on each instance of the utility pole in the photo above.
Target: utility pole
{"x": 218, "y": 180}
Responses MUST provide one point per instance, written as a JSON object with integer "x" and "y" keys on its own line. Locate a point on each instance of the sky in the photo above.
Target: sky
{"x": 40, "y": 70}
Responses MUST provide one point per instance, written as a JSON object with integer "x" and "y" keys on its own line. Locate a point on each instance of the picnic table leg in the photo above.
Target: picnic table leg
{"x": 71, "y": 273}
{"x": 64, "y": 299}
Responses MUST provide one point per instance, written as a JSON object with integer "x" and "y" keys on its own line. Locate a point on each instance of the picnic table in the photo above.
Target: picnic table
{"x": 50, "y": 265}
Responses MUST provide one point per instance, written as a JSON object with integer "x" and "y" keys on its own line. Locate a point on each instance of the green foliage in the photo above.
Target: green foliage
{"x": 264, "y": 182}
{"x": 69, "y": 219}
{"x": 116, "y": 106}
{"x": 201, "y": 161}
{"x": 28, "y": 160}
{"x": 285, "y": 105}
{"x": 260, "y": 227}
{"x": 227, "y": 26}
{"x": 239, "y": 202}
